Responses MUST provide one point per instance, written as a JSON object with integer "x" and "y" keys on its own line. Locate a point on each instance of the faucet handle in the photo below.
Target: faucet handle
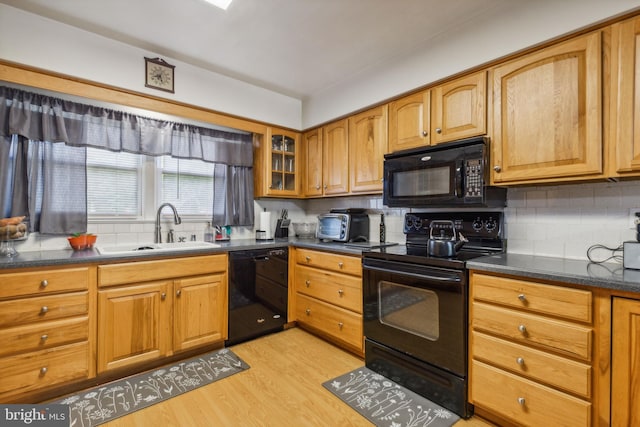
{"x": 170, "y": 236}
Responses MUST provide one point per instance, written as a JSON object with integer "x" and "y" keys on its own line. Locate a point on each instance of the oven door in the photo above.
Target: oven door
{"x": 417, "y": 310}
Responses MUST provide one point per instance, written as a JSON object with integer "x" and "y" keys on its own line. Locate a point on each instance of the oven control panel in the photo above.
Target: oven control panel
{"x": 473, "y": 225}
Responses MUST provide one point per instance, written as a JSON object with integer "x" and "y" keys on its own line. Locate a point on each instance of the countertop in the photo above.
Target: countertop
{"x": 604, "y": 275}
{"x": 50, "y": 258}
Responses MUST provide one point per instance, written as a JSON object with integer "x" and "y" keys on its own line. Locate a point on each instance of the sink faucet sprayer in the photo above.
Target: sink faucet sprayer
{"x": 176, "y": 220}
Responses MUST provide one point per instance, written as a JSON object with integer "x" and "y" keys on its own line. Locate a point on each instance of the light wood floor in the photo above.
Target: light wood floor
{"x": 283, "y": 387}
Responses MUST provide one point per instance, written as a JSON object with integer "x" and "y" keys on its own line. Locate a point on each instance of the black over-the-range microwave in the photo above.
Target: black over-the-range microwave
{"x": 453, "y": 174}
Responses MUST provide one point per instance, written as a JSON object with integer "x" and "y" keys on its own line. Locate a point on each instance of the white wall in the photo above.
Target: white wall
{"x": 30, "y": 39}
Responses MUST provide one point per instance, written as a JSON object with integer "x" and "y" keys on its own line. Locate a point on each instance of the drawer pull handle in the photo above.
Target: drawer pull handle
{"x": 43, "y": 370}
{"x": 522, "y": 297}
{"x": 340, "y": 292}
{"x": 340, "y": 325}
{"x": 522, "y": 329}
{"x": 521, "y": 401}
{"x": 44, "y": 337}
{"x": 163, "y": 296}
{"x": 307, "y": 282}
{"x": 44, "y": 309}
{"x": 520, "y": 361}
{"x": 307, "y": 258}
{"x": 179, "y": 292}
{"x": 44, "y": 283}
{"x": 308, "y": 311}
{"x": 340, "y": 264}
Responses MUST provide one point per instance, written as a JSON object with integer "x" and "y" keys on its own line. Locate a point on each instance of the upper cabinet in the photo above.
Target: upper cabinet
{"x": 326, "y": 160}
{"x": 625, "y": 99}
{"x": 547, "y": 114}
{"x": 276, "y": 164}
{"x": 312, "y": 183}
{"x": 453, "y": 110}
{"x": 367, "y": 145}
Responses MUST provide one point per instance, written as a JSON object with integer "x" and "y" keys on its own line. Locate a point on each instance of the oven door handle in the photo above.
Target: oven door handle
{"x": 416, "y": 275}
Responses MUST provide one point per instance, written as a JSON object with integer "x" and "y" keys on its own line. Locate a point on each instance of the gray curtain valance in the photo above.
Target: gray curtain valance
{"x": 40, "y": 117}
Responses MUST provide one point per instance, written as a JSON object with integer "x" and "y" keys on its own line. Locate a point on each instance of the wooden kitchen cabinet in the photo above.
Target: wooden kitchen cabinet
{"x": 367, "y": 144}
{"x": 547, "y": 114}
{"x": 159, "y": 307}
{"x": 327, "y": 160}
{"x": 453, "y": 110}
{"x": 625, "y": 99}
{"x": 277, "y": 170}
{"x": 625, "y": 376}
{"x": 326, "y": 295}
{"x": 46, "y": 329}
{"x": 535, "y": 342}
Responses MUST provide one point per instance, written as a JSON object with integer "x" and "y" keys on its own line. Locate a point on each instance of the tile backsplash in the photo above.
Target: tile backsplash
{"x": 563, "y": 220}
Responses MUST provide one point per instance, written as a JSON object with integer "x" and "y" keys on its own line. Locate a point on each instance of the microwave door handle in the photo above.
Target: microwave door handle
{"x": 459, "y": 179}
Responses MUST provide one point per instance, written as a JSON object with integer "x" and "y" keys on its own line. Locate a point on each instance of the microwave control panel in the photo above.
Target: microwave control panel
{"x": 474, "y": 181}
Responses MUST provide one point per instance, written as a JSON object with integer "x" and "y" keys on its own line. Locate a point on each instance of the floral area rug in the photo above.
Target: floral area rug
{"x": 118, "y": 398}
{"x": 387, "y": 404}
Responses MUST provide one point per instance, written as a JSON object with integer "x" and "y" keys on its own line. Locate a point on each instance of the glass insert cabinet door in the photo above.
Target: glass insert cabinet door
{"x": 283, "y": 163}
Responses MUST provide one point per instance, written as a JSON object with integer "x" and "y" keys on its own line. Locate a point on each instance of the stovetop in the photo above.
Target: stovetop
{"x": 483, "y": 230}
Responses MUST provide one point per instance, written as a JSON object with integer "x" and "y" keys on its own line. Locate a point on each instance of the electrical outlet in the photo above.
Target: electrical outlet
{"x": 633, "y": 217}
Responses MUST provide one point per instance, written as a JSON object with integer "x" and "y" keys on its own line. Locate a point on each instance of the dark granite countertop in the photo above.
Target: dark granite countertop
{"x": 606, "y": 275}
{"x": 47, "y": 258}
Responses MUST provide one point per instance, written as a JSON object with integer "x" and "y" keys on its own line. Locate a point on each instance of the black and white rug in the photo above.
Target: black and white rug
{"x": 118, "y": 398}
{"x": 387, "y": 404}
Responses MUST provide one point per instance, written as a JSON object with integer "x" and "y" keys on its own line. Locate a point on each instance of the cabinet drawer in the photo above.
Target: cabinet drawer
{"x": 25, "y": 310}
{"x": 40, "y": 369}
{"x": 335, "y": 262}
{"x": 525, "y": 402}
{"x": 41, "y": 335}
{"x": 43, "y": 281}
{"x": 337, "y": 322}
{"x": 554, "y": 370}
{"x": 339, "y": 289}
{"x": 567, "y": 338}
{"x": 145, "y": 271}
{"x": 567, "y": 303}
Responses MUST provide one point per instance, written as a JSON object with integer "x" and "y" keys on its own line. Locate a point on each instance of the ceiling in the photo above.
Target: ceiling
{"x": 295, "y": 47}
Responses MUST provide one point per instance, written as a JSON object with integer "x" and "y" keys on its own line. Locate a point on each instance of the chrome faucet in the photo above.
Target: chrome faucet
{"x": 176, "y": 220}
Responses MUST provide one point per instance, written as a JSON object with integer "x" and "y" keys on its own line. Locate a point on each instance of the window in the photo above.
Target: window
{"x": 113, "y": 183}
{"x": 187, "y": 184}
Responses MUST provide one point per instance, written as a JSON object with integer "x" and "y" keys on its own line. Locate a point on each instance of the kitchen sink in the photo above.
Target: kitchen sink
{"x": 141, "y": 249}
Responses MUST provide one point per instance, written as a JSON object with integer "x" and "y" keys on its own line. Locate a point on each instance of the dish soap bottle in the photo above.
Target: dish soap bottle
{"x": 383, "y": 231}
{"x": 208, "y": 233}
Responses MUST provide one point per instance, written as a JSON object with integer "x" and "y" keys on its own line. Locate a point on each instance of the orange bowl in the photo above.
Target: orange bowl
{"x": 78, "y": 243}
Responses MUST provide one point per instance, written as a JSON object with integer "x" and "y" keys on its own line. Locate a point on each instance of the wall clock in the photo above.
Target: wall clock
{"x": 159, "y": 74}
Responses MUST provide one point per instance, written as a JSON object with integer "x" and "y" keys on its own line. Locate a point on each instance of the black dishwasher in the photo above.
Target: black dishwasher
{"x": 257, "y": 293}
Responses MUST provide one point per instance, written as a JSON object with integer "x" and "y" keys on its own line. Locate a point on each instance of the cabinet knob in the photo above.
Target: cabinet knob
{"x": 340, "y": 325}
{"x": 43, "y": 370}
{"x": 522, "y": 297}
{"x": 521, "y": 401}
{"x": 307, "y": 258}
{"x": 425, "y": 133}
{"x": 308, "y": 311}
{"x": 325, "y": 186}
{"x": 520, "y": 361}
{"x": 522, "y": 329}
{"x": 44, "y": 309}
{"x": 179, "y": 292}
{"x": 163, "y": 296}
{"x": 438, "y": 130}
{"x": 317, "y": 186}
{"x": 497, "y": 168}
{"x": 307, "y": 282}
{"x": 44, "y": 337}
{"x": 44, "y": 283}
{"x": 340, "y": 292}
{"x": 340, "y": 264}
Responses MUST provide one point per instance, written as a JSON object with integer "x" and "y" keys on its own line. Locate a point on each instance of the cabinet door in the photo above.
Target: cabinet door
{"x": 199, "y": 311}
{"x": 367, "y": 146}
{"x": 335, "y": 158}
{"x": 460, "y": 108}
{"x": 409, "y": 121}
{"x": 133, "y": 324}
{"x": 547, "y": 114}
{"x": 625, "y": 377}
{"x": 625, "y": 98}
{"x": 312, "y": 184}
{"x": 282, "y": 163}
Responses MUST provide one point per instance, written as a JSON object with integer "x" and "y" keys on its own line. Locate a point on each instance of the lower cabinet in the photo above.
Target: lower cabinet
{"x": 534, "y": 354}
{"x": 167, "y": 306}
{"x": 625, "y": 377}
{"x": 327, "y": 296}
